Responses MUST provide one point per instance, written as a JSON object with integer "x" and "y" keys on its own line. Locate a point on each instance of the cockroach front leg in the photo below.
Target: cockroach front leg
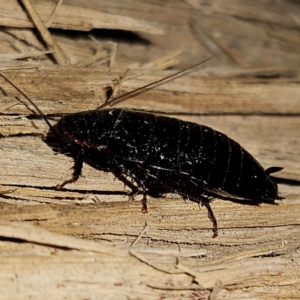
{"x": 78, "y": 163}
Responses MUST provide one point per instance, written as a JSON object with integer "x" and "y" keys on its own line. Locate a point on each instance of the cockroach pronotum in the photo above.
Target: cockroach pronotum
{"x": 163, "y": 154}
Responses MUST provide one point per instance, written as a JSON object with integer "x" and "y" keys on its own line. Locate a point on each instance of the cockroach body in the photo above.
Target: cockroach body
{"x": 165, "y": 154}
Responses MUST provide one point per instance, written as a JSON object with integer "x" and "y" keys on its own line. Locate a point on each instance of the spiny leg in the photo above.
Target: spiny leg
{"x": 140, "y": 184}
{"x": 142, "y": 187}
{"x": 144, "y": 202}
{"x": 211, "y": 216}
{"x": 200, "y": 199}
{"x": 204, "y": 200}
{"x": 78, "y": 163}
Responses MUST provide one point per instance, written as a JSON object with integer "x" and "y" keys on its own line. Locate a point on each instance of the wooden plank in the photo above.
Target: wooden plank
{"x": 90, "y": 240}
{"x": 96, "y": 207}
{"x": 240, "y": 251}
{"x": 189, "y": 94}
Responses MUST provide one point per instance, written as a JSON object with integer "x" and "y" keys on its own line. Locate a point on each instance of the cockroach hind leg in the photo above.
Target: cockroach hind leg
{"x": 144, "y": 203}
{"x": 78, "y": 163}
{"x": 143, "y": 189}
{"x": 140, "y": 185}
{"x": 211, "y": 216}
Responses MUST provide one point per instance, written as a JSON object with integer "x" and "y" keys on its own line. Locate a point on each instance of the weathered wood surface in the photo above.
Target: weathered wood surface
{"x": 81, "y": 242}
{"x": 243, "y": 34}
{"x": 97, "y": 208}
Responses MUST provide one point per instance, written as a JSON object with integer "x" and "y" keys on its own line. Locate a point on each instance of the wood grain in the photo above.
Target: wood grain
{"x": 97, "y": 208}
{"x": 90, "y": 240}
{"x": 72, "y": 17}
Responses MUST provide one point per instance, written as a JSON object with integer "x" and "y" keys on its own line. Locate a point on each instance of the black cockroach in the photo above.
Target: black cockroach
{"x": 164, "y": 154}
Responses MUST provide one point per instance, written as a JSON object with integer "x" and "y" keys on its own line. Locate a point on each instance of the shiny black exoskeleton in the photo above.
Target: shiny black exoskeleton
{"x": 167, "y": 153}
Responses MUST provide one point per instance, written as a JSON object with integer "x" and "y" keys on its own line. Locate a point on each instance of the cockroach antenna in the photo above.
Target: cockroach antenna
{"x": 32, "y": 103}
{"x": 110, "y": 100}
{"x": 141, "y": 89}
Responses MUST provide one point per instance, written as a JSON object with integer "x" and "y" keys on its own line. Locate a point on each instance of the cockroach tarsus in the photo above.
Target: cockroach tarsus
{"x": 162, "y": 154}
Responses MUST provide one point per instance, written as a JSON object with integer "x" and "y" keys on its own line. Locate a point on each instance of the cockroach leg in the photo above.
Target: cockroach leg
{"x": 144, "y": 203}
{"x": 211, "y": 216}
{"x": 78, "y": 163}
{"x": 140, "y": 184}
